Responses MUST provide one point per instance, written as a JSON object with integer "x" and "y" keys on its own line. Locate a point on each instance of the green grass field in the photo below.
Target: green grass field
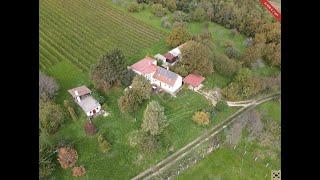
{"x": 121, "y": 162}
{"x": 227, "y": 163}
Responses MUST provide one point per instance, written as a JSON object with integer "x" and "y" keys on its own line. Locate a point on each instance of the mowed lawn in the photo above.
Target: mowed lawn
{"x": 227, "y": 163}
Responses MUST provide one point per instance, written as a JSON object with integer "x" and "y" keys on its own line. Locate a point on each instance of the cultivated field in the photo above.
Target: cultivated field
{"x": 81, "y": 31}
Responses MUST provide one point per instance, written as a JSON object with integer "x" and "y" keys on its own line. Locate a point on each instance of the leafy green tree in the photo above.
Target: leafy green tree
{"x": 251, "y": 54}
{"x": 244, "y": 85}
{"x": 272, "y": 54}
{"x": 154, "y": 119}
{"x": 178, "y": 36}
{"x": 196, "y": 58}
{"x": 232, "y": 52}
{"x": 225, "y": 66}
{"x": 128, "y": 77}
{"x": 158, "y": 10}
{"x": 51, "y": 117}
{"x": 199, "y": 14}
{"x": 129, "y": 102}
{"x": 109, "y": 71}
{"x": 142, "y": 86}
{"x": 171, "y": 5}
{"x": 180, "y": 16}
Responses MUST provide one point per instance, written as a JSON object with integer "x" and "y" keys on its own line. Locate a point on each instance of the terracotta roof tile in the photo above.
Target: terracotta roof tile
{"x": 145, "y": 66}
{"x": 193, "y": 79}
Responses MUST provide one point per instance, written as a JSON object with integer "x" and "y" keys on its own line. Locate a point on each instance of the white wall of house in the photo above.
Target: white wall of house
{"x": 90, "y": 113}
{"x": 168, "y": 87}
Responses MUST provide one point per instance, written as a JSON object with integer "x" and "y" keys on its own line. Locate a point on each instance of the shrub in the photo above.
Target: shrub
{"x": 232, "y": 52}
{"x": 135, "y": 138}
{"x": 228, "y": 43}
{"x": 170, "y": 4}
{"x": 51, "y": 117}
{"x": 134, "y": 7}
{"x": 103, "y": 143}
{"x": 67, "y": 157}
{"x": 234, "y": 32}
{"x": 70, "y": 110}
{"x": 201, "y": 118}
{"x": 199, "y": 14}
{"x": 78, "y": 171}
{"x": 180, "y": 16}
{"x": 221, "y": 106}
{"x": 158, "y": 10}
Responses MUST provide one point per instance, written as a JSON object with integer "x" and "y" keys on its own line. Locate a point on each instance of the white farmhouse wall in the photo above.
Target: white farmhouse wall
{"x": 168, "y": 87}
{"x": 90, "y": 113}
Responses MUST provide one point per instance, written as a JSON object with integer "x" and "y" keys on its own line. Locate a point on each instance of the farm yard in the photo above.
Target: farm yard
{"x": 74, "y": 35}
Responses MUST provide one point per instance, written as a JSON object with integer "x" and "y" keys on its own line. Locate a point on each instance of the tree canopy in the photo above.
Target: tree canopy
{"x": 109, "y": 71}
{"x": 178, "y": 36}
{"x": 154, "y": 119}
{"x": 51, "y": 117}
{"x": 196, "y": 58}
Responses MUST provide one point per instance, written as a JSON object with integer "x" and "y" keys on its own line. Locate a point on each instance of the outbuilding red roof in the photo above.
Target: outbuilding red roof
{"x": 193, "y": 80}
{"x": 146, "y": 65}
{"x": 169, "y": 57}
{"x": 82, "y": 90}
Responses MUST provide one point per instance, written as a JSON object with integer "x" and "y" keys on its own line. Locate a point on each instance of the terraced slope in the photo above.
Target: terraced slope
{"x": 81, "y": 31}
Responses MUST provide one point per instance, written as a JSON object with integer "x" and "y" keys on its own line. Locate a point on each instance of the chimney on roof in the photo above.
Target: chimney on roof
{"x": 77, "y": 96}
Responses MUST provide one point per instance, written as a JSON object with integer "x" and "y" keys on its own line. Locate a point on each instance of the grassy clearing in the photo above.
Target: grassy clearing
{"x": 227, "y": 163}
{"x": 121, "y": 162}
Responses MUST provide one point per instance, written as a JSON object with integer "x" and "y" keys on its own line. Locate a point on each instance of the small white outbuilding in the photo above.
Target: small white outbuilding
{"x": 82, "y": 96}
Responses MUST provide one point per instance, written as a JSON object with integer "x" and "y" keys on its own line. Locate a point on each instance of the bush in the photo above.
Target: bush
{"x": 234, "y": 32}
{"x": 134, "y": 7}
{"x": 78, "y": 171}
{"x": 70, "y": 110}
{"x": 232, "y": 52}
{"x": 158, "y": 10}
{"x": 51, "y": 117}
{"x": 221, "y": 106}
{"x": 201, "y": 118}
{"x": 135, "y": 138}
{"x": 103, "y": 143}
{"x": 180, "y": 16}
{"x": 67, "y": 157}
{"x": 199, "y": 14}
{"x": 228, "y": 43}
{"x": 170, "y": 4}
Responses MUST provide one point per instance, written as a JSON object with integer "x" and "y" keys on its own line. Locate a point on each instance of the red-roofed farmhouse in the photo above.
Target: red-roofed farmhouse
{"x": 194, "y": 81}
